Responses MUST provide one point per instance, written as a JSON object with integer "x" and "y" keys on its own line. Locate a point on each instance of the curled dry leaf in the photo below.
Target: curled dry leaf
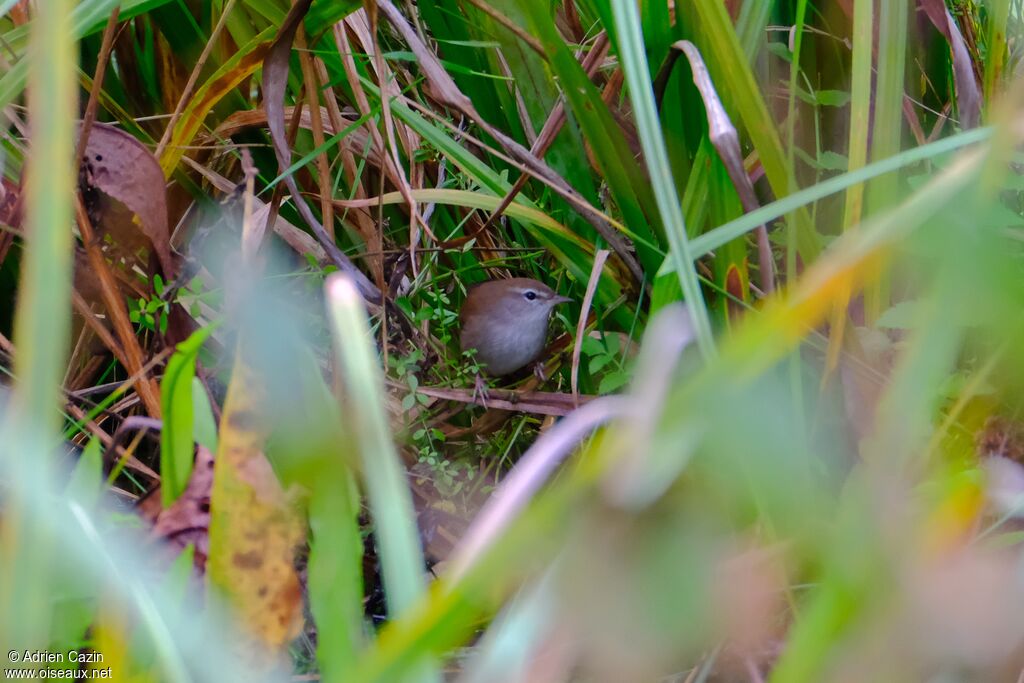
{"x": 188, "y": 519}
{"x": 968, "y": 94}
{"x": 725, "y": 138}
{"x": 119, "y": 166}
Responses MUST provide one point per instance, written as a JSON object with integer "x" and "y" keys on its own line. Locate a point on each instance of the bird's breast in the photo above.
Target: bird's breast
{"x": 503, "y": 346}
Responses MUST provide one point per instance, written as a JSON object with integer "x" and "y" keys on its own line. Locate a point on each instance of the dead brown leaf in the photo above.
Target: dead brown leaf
{"x": 188, "y": 519}
{"x": 121, "y": 167}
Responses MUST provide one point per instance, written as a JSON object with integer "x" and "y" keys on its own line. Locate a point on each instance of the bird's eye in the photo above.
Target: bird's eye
{"x": 530, "y": 295}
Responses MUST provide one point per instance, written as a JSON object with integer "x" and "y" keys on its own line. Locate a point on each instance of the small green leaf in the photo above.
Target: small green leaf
{"x": 176, "y": 397}
{"x": 781, "y": 51}
{"x": 592, "y": 346}
{"x": 612, "y": 381}
{"x": 204, "y": 428}
{"x": 831, "y": 161}
{"x": 598, "y": 362}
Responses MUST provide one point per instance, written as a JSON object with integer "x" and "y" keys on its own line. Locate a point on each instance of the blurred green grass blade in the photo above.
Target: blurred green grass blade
{"x": 41, "y": 327}
{"x": 713, "y": 239}
{"x": 87, "y": 478}
{"x": 860, "y": 105}
{"x": 851, "y": 581}
{"x": 401, "y": 555}
{"x": 451, "y": 613}
{"x": 335, "y": 571}
{"x": 907, "y": 409}
{"x": 42, "y": 321}
{"x": 638, "y": 78}
{"x": 995, "y": 58}
{"x": 886, "y": 126}
{"x": 310, "y": 449}
{"x": 390, "y": 501}
{"x": 515, "y": 636}
{"x": 750, "y": 26}
{"x": 177, "y": 445}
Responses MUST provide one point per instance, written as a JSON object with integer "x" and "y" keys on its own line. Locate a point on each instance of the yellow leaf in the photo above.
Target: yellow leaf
{"x": 254, "y": 526}
{"x": 236, "y": 70}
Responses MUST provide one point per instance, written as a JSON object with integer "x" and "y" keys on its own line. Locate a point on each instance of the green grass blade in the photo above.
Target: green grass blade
{"x": 732, "y": 75}
{"x": 634, "y": 64}
{"x": 401, "y": 556}
{"x": 626, "y": 182}
{"x": 887, "y": 124}
{"x": 42, "y": 324}
{"x": 87, "y": 17}
{"x": 860, "y": 105}
{"x": 177, "y": 444}
{"x": 710, "y": 241}
{"x": 998, "y": 17}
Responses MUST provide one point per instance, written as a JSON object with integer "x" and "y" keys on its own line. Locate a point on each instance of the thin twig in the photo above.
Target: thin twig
{"x": 97, "y": 83}
{"x": 114, "y": 303}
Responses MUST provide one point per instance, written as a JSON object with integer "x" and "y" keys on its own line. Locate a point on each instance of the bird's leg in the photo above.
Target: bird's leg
{"x": 538, "y": 372}
{"x": 480, "y": 390}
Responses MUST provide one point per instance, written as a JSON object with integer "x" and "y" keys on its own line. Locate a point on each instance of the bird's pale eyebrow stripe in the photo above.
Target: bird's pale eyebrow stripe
{"x": 526, "y": 290}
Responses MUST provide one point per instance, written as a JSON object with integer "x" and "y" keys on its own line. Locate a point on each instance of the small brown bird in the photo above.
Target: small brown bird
{"x": 506, "y": 321}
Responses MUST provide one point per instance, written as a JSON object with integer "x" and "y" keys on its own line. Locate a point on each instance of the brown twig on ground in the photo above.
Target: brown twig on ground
{"x": 538, "y": 402}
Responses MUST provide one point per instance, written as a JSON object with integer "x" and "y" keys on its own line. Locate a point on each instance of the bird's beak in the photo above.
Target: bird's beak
{"x": 556, "y": 299}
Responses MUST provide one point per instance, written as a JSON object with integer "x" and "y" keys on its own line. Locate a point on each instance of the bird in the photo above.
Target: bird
{"x": 506, "y": 321}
